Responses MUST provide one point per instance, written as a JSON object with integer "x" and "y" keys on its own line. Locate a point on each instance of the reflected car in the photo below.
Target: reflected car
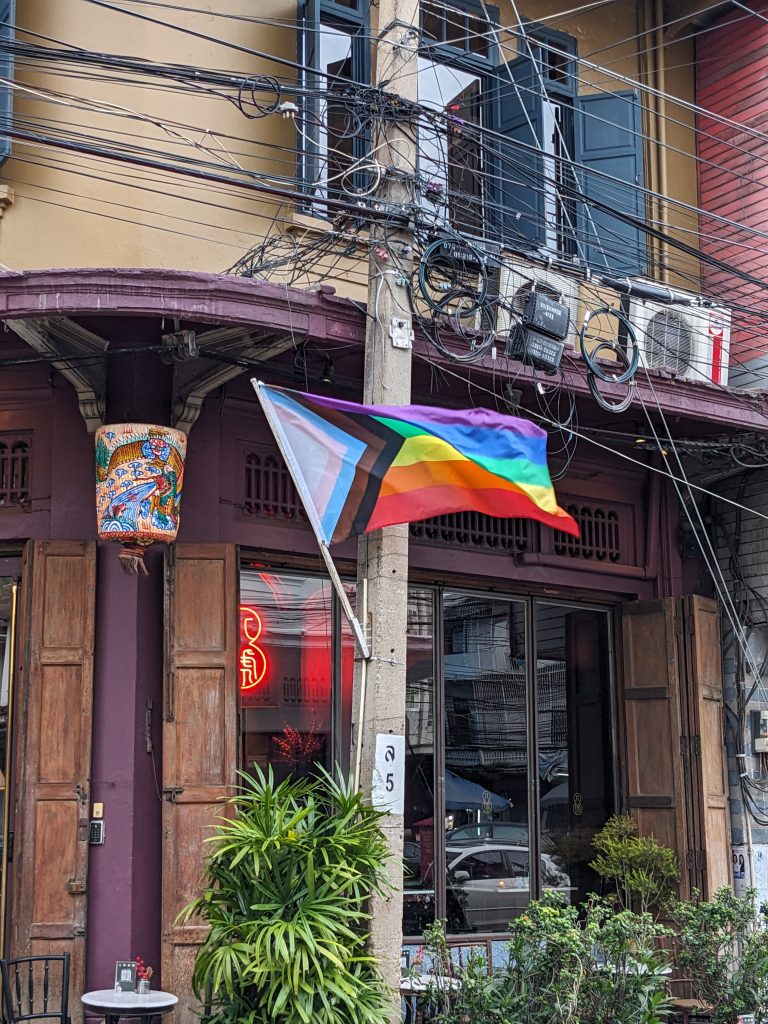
{"x": 500, "y": 831}
{"x": 490, "y": 882}
{"x": 412, "y": 860}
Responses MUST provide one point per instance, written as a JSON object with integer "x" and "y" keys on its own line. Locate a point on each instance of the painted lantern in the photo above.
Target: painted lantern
{"x": 139, "y": 476}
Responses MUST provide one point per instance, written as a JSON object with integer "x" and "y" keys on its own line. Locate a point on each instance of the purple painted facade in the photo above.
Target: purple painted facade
{"x": 127, "y": 308}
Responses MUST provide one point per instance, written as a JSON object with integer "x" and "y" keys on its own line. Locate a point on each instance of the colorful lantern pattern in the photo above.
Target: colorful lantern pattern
{"x": 139, "y": 478}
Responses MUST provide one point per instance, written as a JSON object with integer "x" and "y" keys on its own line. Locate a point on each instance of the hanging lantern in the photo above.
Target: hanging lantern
{"x": 139, "y": 476}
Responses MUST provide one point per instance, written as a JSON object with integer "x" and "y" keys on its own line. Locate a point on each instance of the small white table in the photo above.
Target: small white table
{"x": 112, "y": 1007}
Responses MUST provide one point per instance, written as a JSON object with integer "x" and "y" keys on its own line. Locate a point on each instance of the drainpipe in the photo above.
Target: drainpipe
{"x": 660, "y": 78}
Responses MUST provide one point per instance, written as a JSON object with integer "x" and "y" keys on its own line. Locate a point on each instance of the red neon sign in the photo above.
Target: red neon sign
{"x": 252, "y": 660}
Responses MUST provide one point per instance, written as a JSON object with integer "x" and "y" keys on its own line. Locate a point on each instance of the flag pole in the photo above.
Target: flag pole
{"x": 306, "y": 498}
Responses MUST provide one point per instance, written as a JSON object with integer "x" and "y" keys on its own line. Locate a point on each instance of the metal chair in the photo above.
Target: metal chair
{"x": 36, "y": 988}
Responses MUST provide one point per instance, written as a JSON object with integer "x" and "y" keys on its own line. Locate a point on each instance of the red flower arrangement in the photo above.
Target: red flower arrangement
{"x": 143, "y": 971}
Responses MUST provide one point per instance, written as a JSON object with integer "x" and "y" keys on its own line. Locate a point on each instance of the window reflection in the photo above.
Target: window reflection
{"x": 336, "y": 120}
{"x": 486, "y": 764}
{"x": 419, "y": 838}
{"x": 452, "y": 159}
{"x": 287, "y": 717}
{"x": 575, "y": 761}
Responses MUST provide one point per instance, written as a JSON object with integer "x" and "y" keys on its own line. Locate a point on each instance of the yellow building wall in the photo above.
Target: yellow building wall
{"x": 75, "y": 209}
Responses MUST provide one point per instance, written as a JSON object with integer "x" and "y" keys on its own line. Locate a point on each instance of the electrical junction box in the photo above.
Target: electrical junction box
{"x": 547, "y": 316}
{"x": 760, "y": 731}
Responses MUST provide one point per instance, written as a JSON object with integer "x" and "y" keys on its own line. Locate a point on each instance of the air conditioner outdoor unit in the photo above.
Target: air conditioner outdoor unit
{"x": 517, "y": 279}
{"x": 691, "y": 340}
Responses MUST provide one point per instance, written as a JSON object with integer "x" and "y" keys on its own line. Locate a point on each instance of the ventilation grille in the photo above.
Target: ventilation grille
{"x": 669, "y": 341}
{"x": 305, "y": 691}
{"x": 269, "y": 492}
{"x": 15, "y": 469}
{"x": 600, "y": 535}
{"x": 473, "y": 529}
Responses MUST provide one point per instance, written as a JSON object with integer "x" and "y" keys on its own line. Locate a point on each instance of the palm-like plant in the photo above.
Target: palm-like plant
{"x": 286, "y": 896}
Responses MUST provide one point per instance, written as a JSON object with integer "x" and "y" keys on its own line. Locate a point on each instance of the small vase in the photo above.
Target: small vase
{"x": 143, "y": 986}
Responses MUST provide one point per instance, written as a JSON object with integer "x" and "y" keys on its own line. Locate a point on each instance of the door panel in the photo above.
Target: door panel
{"x": 706, "y": 729}
{"x": 199, "y": 739}
{"x": 676, "y": 758}
{"x": 53, "y": 755}
{"x": 655, "y": 772}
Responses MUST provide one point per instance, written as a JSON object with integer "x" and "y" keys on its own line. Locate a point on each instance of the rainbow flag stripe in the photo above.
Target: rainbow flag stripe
{"x": 367, "y": 466}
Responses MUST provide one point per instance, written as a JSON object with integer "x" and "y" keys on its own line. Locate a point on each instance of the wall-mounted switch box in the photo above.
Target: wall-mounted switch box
{"x": 760, "y": 731}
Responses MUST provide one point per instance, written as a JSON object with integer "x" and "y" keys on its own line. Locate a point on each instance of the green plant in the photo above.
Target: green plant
{"x": 565, "y": 965}
{"x": 582, "y": 965}
{"x": 643, "y": 871}
{"x": 724, "y": 950}
{"x": 286, "y": 894}
{"x": 460, "y": 989}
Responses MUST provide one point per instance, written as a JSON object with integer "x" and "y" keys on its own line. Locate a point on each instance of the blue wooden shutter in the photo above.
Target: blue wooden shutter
{"x": 7, "y": 33}
{"x": 520, "y": 192}
{"x": 609, "y": 140}
{"x": 307, "y": 57}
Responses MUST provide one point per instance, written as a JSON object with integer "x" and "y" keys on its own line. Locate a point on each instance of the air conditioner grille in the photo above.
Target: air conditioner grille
{"x": 669, "y": 341}
{"x": 522, "y": 293}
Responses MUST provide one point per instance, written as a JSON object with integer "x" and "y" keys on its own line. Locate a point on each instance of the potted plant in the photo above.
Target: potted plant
{"x": 286, "y": 897}
{"x": 724, "y": 950}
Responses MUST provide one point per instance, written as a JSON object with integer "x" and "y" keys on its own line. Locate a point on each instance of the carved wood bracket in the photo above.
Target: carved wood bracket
{"x": 230, "y": 349}
{"x": 64, "y": 343}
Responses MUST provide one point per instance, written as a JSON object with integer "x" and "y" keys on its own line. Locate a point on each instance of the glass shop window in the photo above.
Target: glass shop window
{"x": 419, "y": 836}
{"x": 295, "y": 674}
{"x": 521, "y": 686}
{"x": 573, "y": 700}
{"x": 486, "y": 762}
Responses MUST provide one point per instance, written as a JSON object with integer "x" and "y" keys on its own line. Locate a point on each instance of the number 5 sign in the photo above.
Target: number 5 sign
{"x": 389, "y": 773}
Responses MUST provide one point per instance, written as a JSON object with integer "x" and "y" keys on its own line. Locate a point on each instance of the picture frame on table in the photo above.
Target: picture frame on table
{"x": 125, "y": 976}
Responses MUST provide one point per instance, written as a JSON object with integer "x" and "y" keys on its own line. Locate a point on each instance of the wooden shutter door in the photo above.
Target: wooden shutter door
{"x": 199, "y": 739}
{"x": 712, "y": 850}
{"x": 655, "y": 770}
{"x": 53, "y": 755}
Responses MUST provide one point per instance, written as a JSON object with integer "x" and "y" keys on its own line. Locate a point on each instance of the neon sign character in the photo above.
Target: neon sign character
{"x": 253, "y": 660}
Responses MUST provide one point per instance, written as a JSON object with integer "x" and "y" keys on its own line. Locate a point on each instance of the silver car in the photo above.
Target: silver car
{"x": 490, "y": 882}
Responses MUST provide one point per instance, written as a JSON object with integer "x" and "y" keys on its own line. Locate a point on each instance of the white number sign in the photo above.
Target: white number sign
{"x": 388, "y": 782}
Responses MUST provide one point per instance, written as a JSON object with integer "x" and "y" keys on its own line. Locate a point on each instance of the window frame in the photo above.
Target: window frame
{"x": 486, "y": 68}
{"x": 611, "y": 609}
{"x": 312, "y": 15}
{"x": 605, "y": 604}
{"x": 7, "y": 34}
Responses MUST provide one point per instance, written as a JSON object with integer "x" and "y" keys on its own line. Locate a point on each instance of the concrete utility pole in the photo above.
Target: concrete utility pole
{"x": 382, "y": 594}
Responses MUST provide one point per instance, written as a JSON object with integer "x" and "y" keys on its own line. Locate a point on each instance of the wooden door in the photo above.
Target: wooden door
{"x": 655, "y": 765}
{"x": 706, "y": 742}
{"x": 199, "y": 739}
{"x": 53, "y": 755}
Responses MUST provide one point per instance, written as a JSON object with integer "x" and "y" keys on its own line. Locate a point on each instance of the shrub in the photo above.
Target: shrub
{"x": 565, "y": 965}
{"x": 288, "y": 883}
{"x": 724, "y": 949}
{"x": 642, "y": 871}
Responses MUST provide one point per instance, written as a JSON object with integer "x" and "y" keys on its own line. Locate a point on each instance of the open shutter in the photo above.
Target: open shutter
{"x": 609, "y": 140}
{"x": 53, "y": 756}
{"x": 199, "y": 739}
{"x": 308, "y": 57}
{"x": 707, "y": 745}
{"x": 7, "y": 33}
{"x": 655, "y": 767}
{"x": 520, "y": 193}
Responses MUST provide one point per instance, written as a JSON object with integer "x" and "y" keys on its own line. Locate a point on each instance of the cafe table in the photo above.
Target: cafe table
{"x": 113, "y": 1005}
